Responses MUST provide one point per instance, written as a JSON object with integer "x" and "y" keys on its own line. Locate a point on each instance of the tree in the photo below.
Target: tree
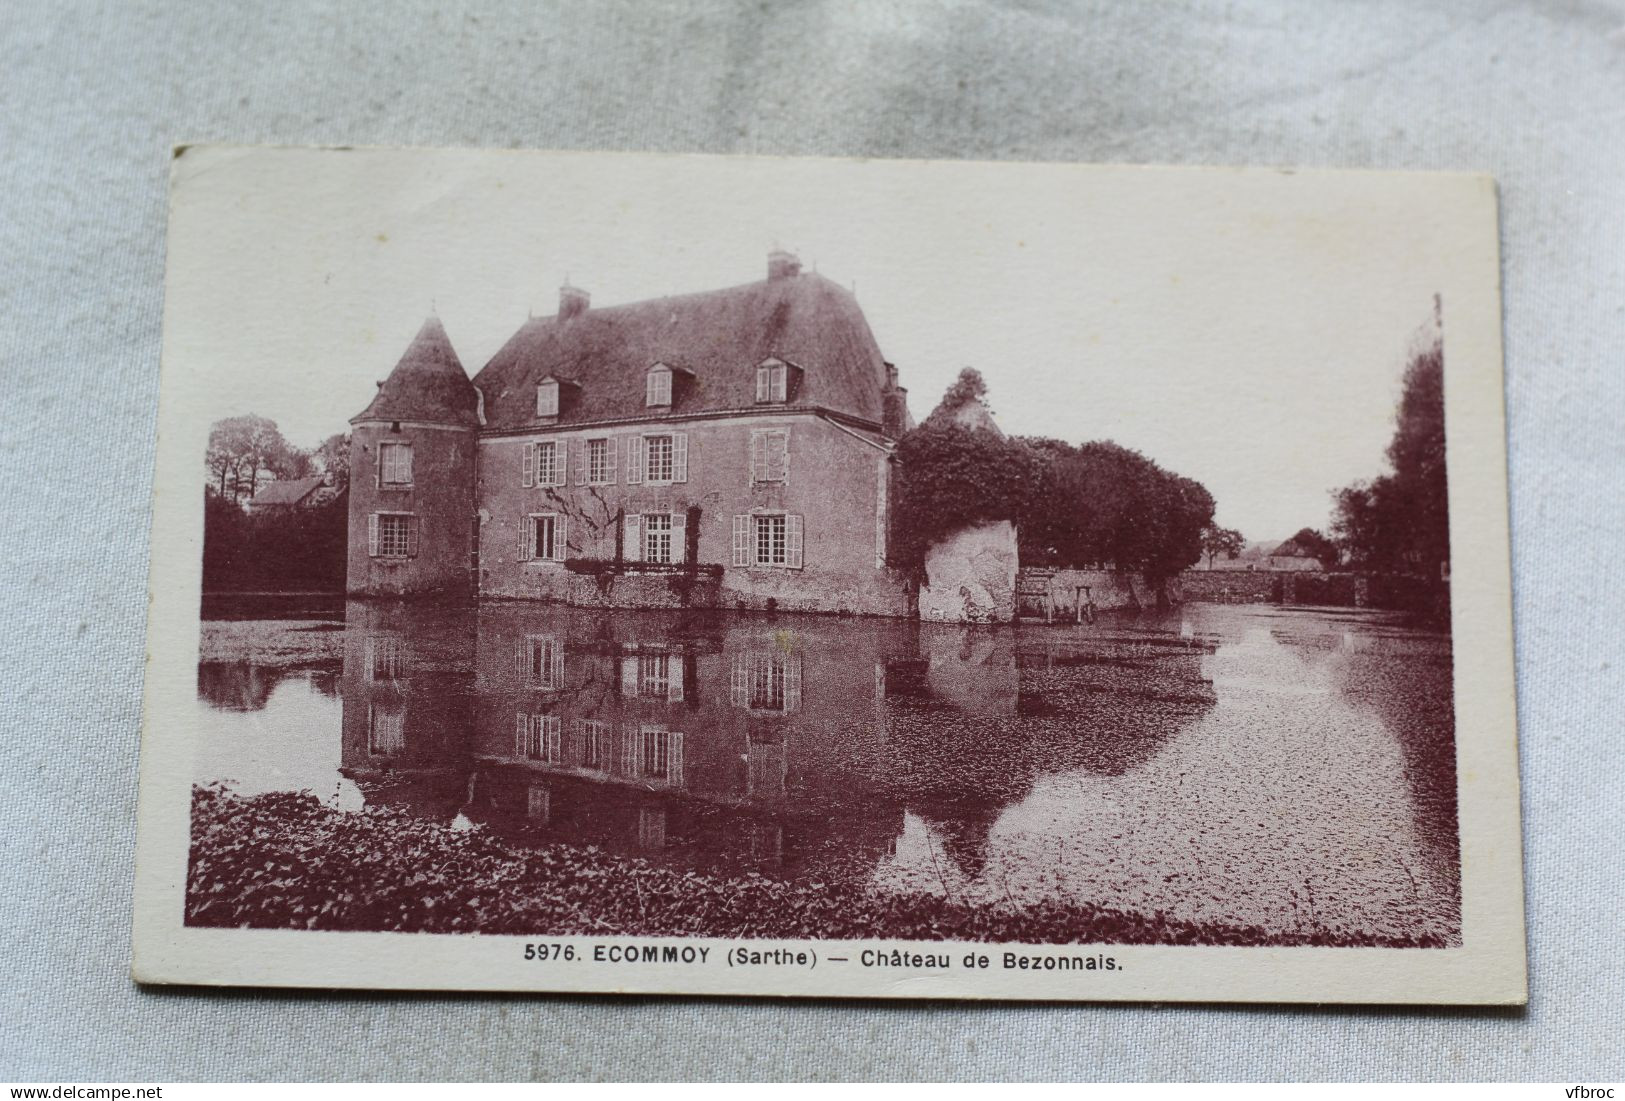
{"x": 1399, "y": 522}
{"x": 1316, "y": 545}
{"x": 332, "y": 455}
{"x": 968, "y": 387}
{"x": 241, "y": 447}
{"x": 1217, "y": 541}
{"x": 1101, "y": 503}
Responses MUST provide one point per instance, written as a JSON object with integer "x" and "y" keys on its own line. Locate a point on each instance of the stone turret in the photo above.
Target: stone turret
{"x": 412, "y": 476}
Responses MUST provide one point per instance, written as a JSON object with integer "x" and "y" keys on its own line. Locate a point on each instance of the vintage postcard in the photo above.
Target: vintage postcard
{"x": 734, "y": 575}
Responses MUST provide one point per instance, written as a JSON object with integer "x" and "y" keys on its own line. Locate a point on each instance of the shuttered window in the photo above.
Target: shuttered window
{"x": 547, "y": 399}
{"x": 592, "y": 749}
{"x": 658, "y": 460}
{"x": 653, "y": 676}
{"x": 771, "y": 381}
{"x": 766, "y": 680}
{"x": 539, "y": 662}
{"x": 600, "y": 462}
{"x": 652, "y": 754}
{"x": 385, "y": 658}
{"x": 768, "y": 539}
{"x": 543, "y": 537}
{"x": 394, "y": 464}
{"x": 542, "y": 464}
{"x": 657, "y": 388}
{"x": 538, "y": 738}
{"x": 770, "y": 455}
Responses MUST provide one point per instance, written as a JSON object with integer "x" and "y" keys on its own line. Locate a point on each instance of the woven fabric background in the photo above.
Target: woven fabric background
{"x": 93, "y": 95}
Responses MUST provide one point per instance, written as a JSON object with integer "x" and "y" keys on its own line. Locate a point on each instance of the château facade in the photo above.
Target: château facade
{"x": 731, "y": 448}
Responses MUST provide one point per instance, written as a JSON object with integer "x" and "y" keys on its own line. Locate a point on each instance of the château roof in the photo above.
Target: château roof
{"x": 428, "y": 384}
{"x": 716, "y": 338}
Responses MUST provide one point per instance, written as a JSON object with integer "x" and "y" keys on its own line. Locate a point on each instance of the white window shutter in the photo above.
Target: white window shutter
{"x": 611, "y": 454}
{"x": 372, "y": 535}
{"x": 679, "y": 535}
{"x": 629, "y": 676}
{"x": 742, "y": 540}
{"x": 634, "y": 460}
{"x": 527, "y": 532}
{"x": 792, "y": 682}
{"x": 561, "y": 537}
{"x": 521, "y": 728}
{"x": 561, "y": 452}
{"x": 792, "y": 549}
{"x": 758, "y": 456}
{"x": 674, "y": 678}
{"x": 784, "y": 456}
{"x": 629, "y": 749}
{"x": 632, "y": 541}
{"x": 557, "y": 670}
{"x": 411, "y": 537}
{"x": 581, "y": 462}
{"x": 406, "y": 474}
{"x": 679, "y": 457}
{"x": 527, "y": 466}
{"x": 674, "y": 761}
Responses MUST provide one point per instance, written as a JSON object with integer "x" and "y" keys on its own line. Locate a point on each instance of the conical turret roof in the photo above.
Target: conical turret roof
{"x": 428, "y": 384}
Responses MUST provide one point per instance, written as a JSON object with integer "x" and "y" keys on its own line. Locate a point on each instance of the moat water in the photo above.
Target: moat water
{"x": 1270, "y": 767}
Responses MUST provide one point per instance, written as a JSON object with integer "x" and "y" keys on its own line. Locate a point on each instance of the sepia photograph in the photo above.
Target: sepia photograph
{"x": 749, "y": 575}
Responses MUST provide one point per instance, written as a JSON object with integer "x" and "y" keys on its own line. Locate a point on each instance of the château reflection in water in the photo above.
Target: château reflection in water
{"x": 1213, "y": 763}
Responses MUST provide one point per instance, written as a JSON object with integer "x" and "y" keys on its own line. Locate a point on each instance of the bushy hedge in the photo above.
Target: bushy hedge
{"x": 950, "y": 477}
{"x": 286, "y": 550}
{"x": 1089, "y": 506}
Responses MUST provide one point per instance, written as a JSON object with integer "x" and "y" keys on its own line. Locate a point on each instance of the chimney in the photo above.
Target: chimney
{"x": 782, "y": 264}
{"x": 572, "y": 301}
{"x": 893, "y": 405}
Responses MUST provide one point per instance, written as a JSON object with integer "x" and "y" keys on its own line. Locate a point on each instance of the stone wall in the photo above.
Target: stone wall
{"x": 1337, "y": 590}
{"x": 971, "y": 576}
{"x": 1231, "y": 586}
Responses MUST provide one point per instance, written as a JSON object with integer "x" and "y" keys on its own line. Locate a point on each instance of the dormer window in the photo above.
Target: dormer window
{"x": 772, "y": 381}
{"x": 547, "y": 398}
{"x": 657, "y": 388}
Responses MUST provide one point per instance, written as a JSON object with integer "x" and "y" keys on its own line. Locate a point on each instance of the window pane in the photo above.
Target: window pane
{"x": 770, "y": 540}
{"x": 597, "y": 461}
{"x": 657, "y": 458}
{"x": 657, "y": 537}
{"x": 392, "y": 534}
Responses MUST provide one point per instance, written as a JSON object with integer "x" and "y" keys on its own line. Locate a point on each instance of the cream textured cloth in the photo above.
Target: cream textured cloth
{"x": 91, "y": 98}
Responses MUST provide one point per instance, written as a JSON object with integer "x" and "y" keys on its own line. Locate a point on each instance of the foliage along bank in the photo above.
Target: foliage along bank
{"x": 1092, "y": 505}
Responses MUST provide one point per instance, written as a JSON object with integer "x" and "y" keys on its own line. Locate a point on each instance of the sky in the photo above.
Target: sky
{"x": 1246, "y": 328}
